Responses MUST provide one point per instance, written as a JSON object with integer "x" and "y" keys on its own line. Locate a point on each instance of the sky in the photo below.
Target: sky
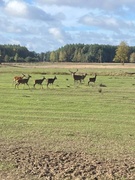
{"x": 46, "y": 25}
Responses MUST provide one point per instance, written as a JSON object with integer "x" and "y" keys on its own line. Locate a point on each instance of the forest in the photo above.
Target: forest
{"x": 17, "y": 53}
{"x": 69, "y": 53}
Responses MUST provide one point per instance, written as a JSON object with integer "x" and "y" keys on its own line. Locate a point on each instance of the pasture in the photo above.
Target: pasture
{"x": 79, "y": 131}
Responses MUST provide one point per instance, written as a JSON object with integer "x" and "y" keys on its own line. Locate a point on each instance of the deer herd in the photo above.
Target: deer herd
{"x": 76, "y": 77}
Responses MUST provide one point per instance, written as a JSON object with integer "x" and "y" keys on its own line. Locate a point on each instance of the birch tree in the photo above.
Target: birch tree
{"x": 122, "y": 53}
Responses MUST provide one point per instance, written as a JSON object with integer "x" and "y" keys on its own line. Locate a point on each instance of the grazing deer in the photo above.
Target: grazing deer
{"x": 16, "y": 78}
{"x": 76, "y": 77}
{"x": 51, "y": 80}
{"x": 39, "y": 81}
{"x": 92, "y": 79}
{"x": 23, "y": 81}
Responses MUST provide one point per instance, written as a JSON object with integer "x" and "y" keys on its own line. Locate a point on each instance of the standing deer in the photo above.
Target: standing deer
{"x": 39, "y": 81}
{"x": 76, "y": 77}
{"x": 51, "y": 80}
{"x": 83, "y": 76}
{"x": 92, "y": 79}
{"x": 16, "y": 78}
{"x": 23, "y": 81}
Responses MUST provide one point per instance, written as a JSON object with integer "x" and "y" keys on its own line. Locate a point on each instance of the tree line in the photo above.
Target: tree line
{"x": 17, "y": 53}
{"x": 71, "y": 53}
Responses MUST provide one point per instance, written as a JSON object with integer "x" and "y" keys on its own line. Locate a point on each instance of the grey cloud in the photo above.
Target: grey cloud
{"x": 99, "y": 4}
{"x": 14, "y": 26}
{"x": 106, "y": 22}
{"x": 36, "y": 13}
{"x": 44, "y": 42}
{"x": 92, "y": 37}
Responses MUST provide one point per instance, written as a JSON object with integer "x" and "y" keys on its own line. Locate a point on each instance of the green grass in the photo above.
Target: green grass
{"x": 67, "y": 116}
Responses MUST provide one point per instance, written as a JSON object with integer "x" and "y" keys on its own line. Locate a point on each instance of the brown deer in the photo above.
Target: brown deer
{"x": 23, "y": 81}
{"x": 39, "y": 81}
{"x": 51, "y": 80}
{"x": 75, "y": 76}
{"x": 92, "y": 79}
{"x": 16, "y": 78}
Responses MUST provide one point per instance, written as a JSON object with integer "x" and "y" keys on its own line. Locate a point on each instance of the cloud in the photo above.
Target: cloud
{"x": 59, "y": 35}
{"x": 99, "y": 4}
{"x": 18, "y": 8}
{"x": 106, "y": 22}
{"x": 43, "y": 25}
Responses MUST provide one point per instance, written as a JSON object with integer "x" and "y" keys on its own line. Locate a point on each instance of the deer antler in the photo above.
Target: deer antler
{"x": 73, "y": 72}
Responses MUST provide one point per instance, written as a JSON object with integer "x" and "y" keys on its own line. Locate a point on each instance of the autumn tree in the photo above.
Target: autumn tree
{"x": 52, "y": 56}
{"x": 122, "y": 53}
{"x": 62, "y": 56}
{"x": 99, "y": 55}
{"x": 16, "y": 57}
{"x": 77, "y": 55}
{"x": 132, "y": 58}
{"x": 6, "y": 58}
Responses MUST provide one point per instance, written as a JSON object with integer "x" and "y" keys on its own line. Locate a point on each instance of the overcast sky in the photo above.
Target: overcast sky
{"x": 46, "y": 25}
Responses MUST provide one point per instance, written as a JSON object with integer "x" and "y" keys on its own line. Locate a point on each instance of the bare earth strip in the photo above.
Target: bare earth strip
{"x": 81, "y": 65}
{"x": 75, "y": 65}
{"x": 33, "y": 163}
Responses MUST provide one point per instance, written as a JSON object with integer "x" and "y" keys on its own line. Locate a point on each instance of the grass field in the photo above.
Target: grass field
{"x": 68, "y": 117}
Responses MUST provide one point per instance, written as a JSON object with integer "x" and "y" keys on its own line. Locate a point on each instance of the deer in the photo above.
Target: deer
{"x": 23, "y": 81}
{"x": 76, "y": 77}
{"x": 83, "y": 76}
{"x": 39, "y": 81}
{"x": 92, "y": 79}
{"x": 51, "y": 80}
{"x": 16, "y": 78}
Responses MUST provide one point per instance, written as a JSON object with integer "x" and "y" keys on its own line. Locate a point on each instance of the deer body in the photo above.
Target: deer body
{"x": 16, "y": 78}
{"x": 39, "y": 81}
{"x": 83, "y": 76}
{"x": 23, "y": 81}
{"x": 92, "y": 79}
{"x": 76, "y": 77}
{"x": 51, "y": 80}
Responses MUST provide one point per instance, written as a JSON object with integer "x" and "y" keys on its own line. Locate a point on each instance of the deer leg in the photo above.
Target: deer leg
{"x": 41, "y": 86}
{"x": 16, "y": 85}
{"x": 28, "y": 85}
